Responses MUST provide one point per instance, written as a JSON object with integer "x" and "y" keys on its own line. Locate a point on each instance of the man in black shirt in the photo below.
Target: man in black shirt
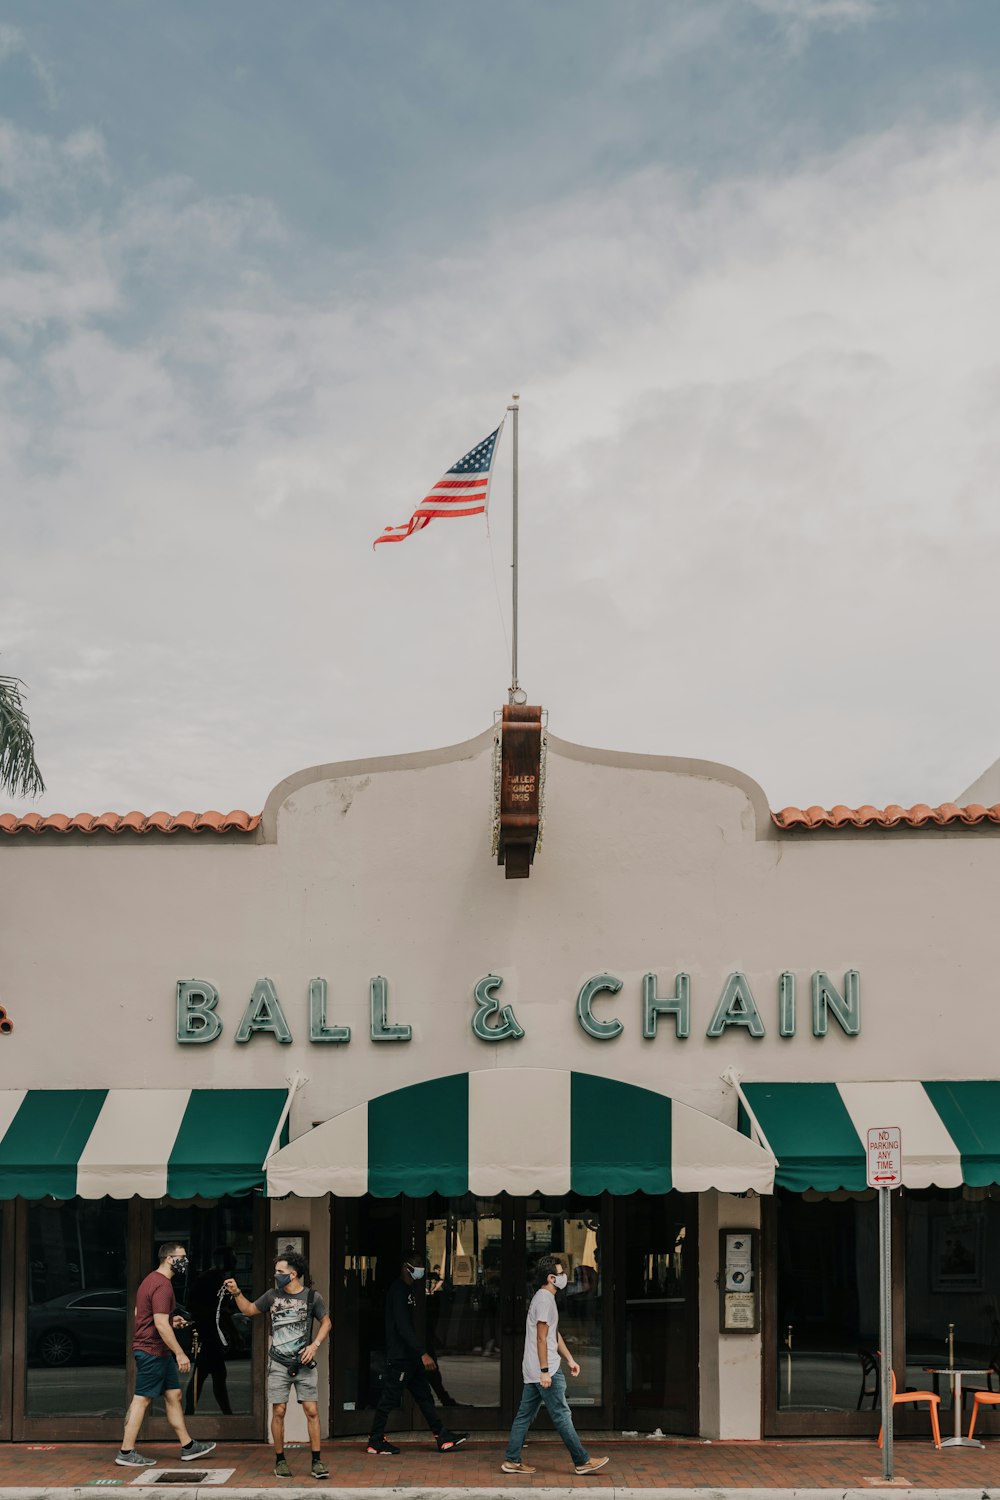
{"x": 406, "y": 1363}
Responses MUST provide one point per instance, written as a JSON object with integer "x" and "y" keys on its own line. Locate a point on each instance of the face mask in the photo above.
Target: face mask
{"x": 281, "y": 1279}
{"x": 417, "y": 1272}
{"x": 179, "y": 1263}
{"x": 561, "y": 1281}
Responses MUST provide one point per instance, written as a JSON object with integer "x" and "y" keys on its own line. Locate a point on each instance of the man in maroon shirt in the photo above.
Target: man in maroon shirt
{"x": 159, "y": 1359}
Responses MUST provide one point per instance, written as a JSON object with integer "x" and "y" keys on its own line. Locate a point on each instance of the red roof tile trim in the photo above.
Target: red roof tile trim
{"x": 133, "y": 822}
{"x": 948, "y": 815}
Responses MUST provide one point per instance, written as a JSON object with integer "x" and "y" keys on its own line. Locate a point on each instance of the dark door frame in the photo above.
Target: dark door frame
{"x": 776, "y": 1423}
{"x": 7, "y": 1372}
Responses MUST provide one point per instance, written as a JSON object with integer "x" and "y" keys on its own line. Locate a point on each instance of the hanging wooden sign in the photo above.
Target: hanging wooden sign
{"x": 520, "y": 788}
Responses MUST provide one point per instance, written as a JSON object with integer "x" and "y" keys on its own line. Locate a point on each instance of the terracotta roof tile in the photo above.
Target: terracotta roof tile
{"x": 948, "y": 815}
{"x": 133, "y": 822}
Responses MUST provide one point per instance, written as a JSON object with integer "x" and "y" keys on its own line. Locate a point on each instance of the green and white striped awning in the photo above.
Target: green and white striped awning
{"x": 150, "y": 1143}
{"x": 519, "y": 1131}
{"x": 950, "y": 1132}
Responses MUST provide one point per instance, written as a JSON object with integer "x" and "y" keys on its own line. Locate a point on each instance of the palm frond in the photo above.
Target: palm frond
{"x": 19, "y": 773}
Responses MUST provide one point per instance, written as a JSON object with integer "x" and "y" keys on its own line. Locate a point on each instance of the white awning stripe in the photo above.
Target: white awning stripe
{"x": 130, "y": 1145}
{"x": 519, "y": 1150}
{"x": 10, "y": 1102}
{"x": 331, "y": 1158}
{"x": 707, "y": 1153}
{"x": 930, "y": 1156}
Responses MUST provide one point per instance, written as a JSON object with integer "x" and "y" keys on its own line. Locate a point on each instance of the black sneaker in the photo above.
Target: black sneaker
{"x": 382, "y": 1446}
{"x": 198, "y": 1449}
{"x": 447, "y": 1441}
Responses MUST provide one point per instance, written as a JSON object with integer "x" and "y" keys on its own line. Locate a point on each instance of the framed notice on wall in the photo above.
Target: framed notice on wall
{"x": 739, "y": 1291}
{"x": 289, "y": 1242}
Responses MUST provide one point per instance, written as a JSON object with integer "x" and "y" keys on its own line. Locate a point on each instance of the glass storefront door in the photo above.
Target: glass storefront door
{"x": 658, "y": 1349}
{"x": 222, "y": 1394}
{"x": 480, "y": 1255}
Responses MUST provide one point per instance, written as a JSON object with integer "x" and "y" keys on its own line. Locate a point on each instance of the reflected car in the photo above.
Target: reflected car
{"x": 83, "y": 1325}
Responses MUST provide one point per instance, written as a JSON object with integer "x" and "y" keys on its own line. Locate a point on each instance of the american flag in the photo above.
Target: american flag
{"x": 463, "y": 491}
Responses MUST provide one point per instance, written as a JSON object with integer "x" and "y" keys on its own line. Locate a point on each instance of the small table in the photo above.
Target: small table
{"x": 958, "y": 1441}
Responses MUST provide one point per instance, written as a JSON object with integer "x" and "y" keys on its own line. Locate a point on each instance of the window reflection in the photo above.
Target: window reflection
{"x": 827, "y": 1326}
{"x": 463, "y": 1301}
{"x": 953, "y": 1287}
{"x": 77, "y": 1314}
{"x": 219, "y": 1241}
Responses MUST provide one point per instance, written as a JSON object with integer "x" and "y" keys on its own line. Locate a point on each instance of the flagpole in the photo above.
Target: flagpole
{"x": 514, "y": 695}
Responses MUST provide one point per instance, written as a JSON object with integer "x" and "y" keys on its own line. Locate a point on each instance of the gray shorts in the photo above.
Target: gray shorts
{"x": 280, "y": 1382}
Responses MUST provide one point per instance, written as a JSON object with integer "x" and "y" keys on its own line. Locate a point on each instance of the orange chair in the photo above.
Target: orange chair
{"x": 928, "y": 1396}
{"x": 982, "y": 1398}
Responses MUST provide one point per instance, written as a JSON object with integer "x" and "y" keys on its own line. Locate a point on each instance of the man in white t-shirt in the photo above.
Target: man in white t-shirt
{"x": 544, "y": 1382}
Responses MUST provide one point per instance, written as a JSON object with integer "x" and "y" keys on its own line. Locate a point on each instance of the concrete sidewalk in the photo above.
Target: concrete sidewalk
{"x": 672, "y": 1469}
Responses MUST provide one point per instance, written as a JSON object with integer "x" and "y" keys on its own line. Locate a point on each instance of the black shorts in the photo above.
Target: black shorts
{"x": 155, "y": 1373}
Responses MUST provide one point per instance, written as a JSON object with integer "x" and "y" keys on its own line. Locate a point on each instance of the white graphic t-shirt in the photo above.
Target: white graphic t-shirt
{"x": 290, "y": 1330}
{"x": 542, "y": 1310}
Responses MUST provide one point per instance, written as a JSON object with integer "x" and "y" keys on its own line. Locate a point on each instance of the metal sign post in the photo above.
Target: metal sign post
{"x": 885, "y": 1171}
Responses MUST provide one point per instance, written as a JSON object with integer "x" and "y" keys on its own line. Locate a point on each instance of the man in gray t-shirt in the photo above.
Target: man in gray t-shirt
{"x": 544, "y": 1382}
{"x": 294, "y": 1308}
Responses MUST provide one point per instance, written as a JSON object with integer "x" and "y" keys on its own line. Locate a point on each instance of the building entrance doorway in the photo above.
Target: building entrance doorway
{"x": 628, "y": 1313}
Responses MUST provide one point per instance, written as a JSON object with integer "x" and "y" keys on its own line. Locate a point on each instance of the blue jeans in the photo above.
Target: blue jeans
{"x": 553, "y": 1398}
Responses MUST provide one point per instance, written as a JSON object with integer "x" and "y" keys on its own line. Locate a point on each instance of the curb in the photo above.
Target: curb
{"x": 553, "y": 1492}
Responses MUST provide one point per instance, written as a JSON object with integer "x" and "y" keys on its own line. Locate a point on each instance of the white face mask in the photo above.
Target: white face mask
{"x": 417, "y": 1272}
{"x": 561, "y": 1281}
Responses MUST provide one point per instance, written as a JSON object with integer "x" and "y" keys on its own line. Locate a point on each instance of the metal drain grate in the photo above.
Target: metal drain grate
{"x": 192, "y": 1477}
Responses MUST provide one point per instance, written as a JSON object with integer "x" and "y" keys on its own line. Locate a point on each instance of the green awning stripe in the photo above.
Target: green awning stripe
{"x": 42, "y": 1145}
{"x": 418, "y": 1139}
{"x": 619, "y": 1137}
{"x": 970, "y": 1111}
{"x": 811, "y": 1133}
{"x": 223, "y": 1140}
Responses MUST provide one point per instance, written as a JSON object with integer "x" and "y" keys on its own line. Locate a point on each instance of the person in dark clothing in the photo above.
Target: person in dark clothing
{"x": 210, "y": 1314}
{"x": 407, "y": 1362}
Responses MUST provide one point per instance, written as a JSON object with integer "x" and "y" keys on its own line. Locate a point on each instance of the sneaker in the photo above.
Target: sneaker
{"x": 382, "y": 1446}
{"x": 511, "y": 1468}
{"x": 591, "y": 1466}
{"x": 446, "y": 1440}
{"x": 134, "y": 1460}
{"x": 319, "y": 1469}
{"x": 198, "y": 1449}
{"x": 281, "y": 1468}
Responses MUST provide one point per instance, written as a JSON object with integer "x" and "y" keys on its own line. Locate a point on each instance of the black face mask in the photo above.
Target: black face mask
{"x": 282, "y": 1279}
{"x": 179, "y": 1263}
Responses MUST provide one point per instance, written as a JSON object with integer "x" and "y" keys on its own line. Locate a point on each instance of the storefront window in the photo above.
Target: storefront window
{"x": 219, "y": 1241}
{"x": 827, "y": 1299}
{"x": 953, "y": 1284}
{"x": 77, "y": 1315}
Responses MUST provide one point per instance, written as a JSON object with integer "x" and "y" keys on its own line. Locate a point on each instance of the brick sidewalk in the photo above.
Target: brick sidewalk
{"x": 644, "y": 1464}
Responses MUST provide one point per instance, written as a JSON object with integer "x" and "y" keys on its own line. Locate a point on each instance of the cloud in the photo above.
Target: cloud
{"x": 758, "y": 477}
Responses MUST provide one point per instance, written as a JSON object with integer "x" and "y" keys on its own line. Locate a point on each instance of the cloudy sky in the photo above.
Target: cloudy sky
{"x": 266, "y": 270}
